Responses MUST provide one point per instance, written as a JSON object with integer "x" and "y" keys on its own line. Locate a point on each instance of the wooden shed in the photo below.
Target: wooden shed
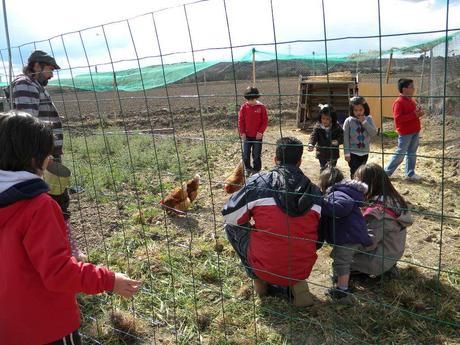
{"x": 335, "y": 89}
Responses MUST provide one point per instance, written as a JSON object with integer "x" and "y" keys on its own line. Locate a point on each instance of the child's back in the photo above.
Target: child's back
{"x": 341, "y": 219}
{"x": 39, "y": 278}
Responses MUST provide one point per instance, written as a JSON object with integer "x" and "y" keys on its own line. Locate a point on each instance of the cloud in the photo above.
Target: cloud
{"x": 250, "y": 23}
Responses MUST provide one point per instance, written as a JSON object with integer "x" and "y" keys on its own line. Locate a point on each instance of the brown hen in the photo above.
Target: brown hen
{"x": 236, "y": 180}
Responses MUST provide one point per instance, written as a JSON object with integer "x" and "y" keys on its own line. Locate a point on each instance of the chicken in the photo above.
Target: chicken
{"x": 180, "y": 199}
{"x": 236, "y": 180}
{"x": 191, "y": 186}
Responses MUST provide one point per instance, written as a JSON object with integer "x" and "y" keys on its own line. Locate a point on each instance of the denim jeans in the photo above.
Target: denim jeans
{"x": 238, "y": 236}
{"x": 407, "y": 146}
{"x": 254, "y": 145}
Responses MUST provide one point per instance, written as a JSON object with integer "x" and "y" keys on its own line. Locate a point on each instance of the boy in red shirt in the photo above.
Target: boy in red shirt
{"x": 406, "y": 114}
{"x": 38, "y": 276}
{"x": 252, "y": 123}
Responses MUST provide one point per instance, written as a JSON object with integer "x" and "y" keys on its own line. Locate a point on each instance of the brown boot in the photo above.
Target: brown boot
{"x": 301, "y": 294}
{"x": 260, "y": 287}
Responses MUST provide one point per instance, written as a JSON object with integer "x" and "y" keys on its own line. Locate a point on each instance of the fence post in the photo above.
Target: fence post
{"x": 254, "y": 67}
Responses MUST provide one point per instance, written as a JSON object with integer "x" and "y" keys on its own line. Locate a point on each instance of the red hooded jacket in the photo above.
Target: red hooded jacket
{"x": 38, "y": 276}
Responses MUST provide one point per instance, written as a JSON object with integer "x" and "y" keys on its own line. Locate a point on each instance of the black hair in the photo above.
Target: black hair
{"x": 329, "y": 111}
{"x": 403, "y": 82}
{"x": 26, "y": 142}
{"x": 251, "y": 93}
{"x": 289, "y": 150}
{"x": 329, "y": 177}
{"x": 378, "y": 183}
{"x": 359, "y": 101}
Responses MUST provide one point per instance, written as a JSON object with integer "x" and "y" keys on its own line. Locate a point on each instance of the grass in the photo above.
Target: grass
{"x": 194, "y": 290}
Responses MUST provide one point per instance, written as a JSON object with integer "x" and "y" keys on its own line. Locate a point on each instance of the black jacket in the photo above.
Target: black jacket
{"x": 319, "y": 138}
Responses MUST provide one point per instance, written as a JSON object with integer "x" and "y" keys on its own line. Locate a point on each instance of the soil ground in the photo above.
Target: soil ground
{"x": 195, "y": 291}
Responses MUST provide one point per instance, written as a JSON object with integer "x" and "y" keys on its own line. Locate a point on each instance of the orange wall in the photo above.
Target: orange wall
{"x": 371, "y": 92}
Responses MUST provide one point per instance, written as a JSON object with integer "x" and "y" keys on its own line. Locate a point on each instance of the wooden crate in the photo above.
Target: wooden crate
{"x": 319, "y": 90}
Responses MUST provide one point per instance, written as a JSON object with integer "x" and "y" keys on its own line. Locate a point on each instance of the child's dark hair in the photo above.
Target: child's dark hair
{"x": 329, "y": 111}
{"x": 251, "y": 93}
{"x": 402, "y": 83}
{"x": 25, "y": 142}
{"x": 378, "y": 183}
{"x": 329, "y": 177}
{"x": 358, "y": 100}
{"x": 289, "y": 150}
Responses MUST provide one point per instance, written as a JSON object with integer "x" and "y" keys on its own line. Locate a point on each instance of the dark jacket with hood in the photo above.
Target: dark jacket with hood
{"x": 322, "y": 139}
{"x": 282, "y": 208}
{"x": 38, "y": 277}
{"x": 342, "y": 221}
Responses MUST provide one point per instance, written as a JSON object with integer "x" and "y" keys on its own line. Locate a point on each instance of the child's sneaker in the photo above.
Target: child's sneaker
{"x": 344, "y": 296}
{"x": 393, "y": 272}
{"x": 414, "y": 177}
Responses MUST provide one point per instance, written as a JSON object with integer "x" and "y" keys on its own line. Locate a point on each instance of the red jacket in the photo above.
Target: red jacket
{"x": 405, "y": 118}
{"x": 252, "y": 119}
{"x": 38, "y": 277}
{"x": 284, "y": 207}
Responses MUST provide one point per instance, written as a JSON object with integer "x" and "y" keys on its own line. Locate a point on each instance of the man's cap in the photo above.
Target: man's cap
{"x": 41, "y": 56}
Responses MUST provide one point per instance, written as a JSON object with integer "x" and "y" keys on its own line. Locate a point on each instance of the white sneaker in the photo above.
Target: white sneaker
{"x": 414, "y": 177}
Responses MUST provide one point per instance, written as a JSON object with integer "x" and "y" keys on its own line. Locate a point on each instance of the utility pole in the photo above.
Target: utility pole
{"x": 7, "y": 34}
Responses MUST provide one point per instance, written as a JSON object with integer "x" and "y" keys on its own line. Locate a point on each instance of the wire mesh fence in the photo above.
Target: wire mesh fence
{"x": 129, "y": 146}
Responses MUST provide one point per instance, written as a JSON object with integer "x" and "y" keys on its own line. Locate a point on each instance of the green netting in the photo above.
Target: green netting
{"x": 152, "y": 76}
{"x": 130, "y": 79}
{"x": 268, "y": 56}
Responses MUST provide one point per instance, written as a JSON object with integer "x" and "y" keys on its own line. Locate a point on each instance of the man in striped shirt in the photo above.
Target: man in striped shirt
{"x": 30, "y": 95}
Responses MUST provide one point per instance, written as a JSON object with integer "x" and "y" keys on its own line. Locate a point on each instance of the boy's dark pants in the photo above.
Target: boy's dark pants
{"x": 324, "y": 162}
{"x": 256, "y": 146}
{"x": 238, "y": 236}
{"x": 355, "y": 162}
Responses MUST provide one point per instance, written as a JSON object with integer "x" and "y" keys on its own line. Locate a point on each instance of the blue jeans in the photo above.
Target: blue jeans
{"x": 256, "y": 146}
{"x": 407, "y": 146}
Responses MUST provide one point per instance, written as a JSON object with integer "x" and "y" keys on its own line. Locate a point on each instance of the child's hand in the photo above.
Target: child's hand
{"x": 125, "y": 286}
{"x": 310, "y": 148}
{"x": 259, "y": 136}
{"x": 348, "y": 158}
{"x": 335, "y": 143}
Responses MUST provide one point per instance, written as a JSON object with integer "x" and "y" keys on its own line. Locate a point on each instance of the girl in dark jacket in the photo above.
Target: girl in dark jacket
{"x": 327, "y": 135}
{"x": 342, "y": 224}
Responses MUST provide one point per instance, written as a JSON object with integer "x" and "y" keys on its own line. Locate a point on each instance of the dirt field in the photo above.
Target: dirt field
{"x": 195, "y": 290}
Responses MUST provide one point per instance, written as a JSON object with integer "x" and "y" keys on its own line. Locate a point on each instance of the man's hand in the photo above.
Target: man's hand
{"x": 347, "y": 158}
{"x": 310, "y": 148}
{"x": 259, "y": 136}
{"x": 125, "y": 286}
{"x": 243, "y": 137}
{"x": 335, "y": 143}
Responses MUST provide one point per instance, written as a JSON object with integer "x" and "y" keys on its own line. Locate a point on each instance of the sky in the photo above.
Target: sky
{"x": 58, "y": 23}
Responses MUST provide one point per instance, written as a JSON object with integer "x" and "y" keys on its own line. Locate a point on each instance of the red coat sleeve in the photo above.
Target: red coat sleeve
{"x": 401, "y": 115}
{"x": 264, "y": 123}
{"x": 48, "y": 249}
{"x": 242, "y": 120}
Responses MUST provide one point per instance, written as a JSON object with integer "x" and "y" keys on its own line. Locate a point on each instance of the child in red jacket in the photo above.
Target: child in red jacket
{"x": 252, "y": 123}
{"x": 38, "y": 276}
{"x": 406, "y": 114}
